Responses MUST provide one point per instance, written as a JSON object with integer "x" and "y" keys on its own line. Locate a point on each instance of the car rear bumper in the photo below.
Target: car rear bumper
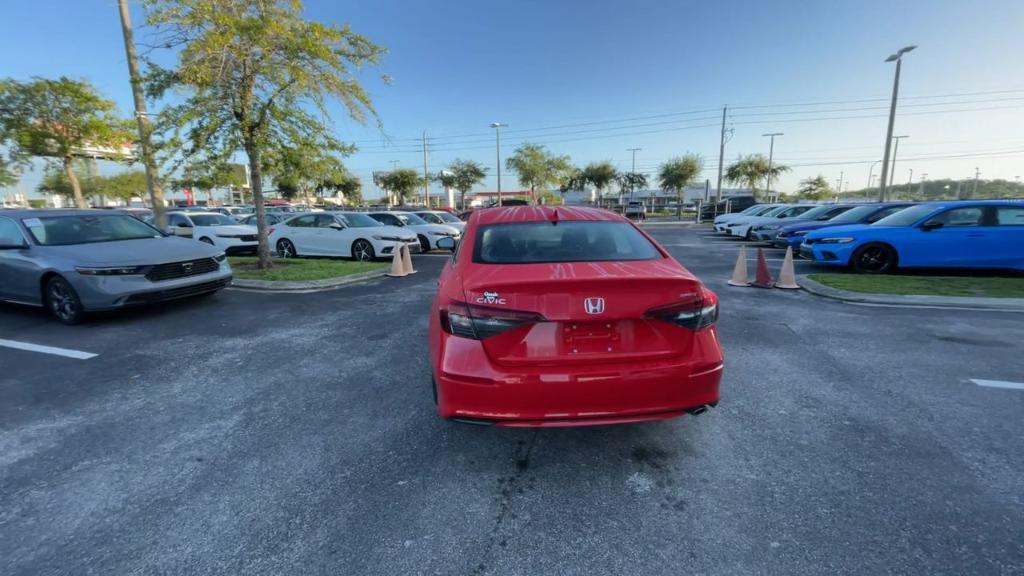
{"x": 473, "y": 388}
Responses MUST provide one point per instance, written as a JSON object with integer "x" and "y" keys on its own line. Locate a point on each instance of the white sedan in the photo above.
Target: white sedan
{"x": 214, "y": 228}
{"x": 755, "y": 210}
{"x": 742, "y": 227}
{"x": 442, "y": 217}
{"x": 345, "y": 234}
{"x": 427, "y": 233}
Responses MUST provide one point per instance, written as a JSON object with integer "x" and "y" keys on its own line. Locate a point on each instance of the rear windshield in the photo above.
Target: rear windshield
{"x": 66, "y": 230}
{"x": 540, "y": 242}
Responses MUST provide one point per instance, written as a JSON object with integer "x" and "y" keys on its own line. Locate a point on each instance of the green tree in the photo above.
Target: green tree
{"x": 548, "y": 198}
{"x": 538, "y": 168}
{"x": 751, "y": 170}
{"x": 600, "y": 175}
{"x": 402, "y": 182}
{"x": 816, "y": 188}
{"x": 463, "y": 176}
{"x": 124, "y": 186}
{"x": 255, "y": 76}
{"x": 55, "y": 181}
{"x": 56, "y": 120}
{"x": 206, "y": 175}
{"x": 351, "y": 188}
{"x": 305, "y": 170}
{"x": 678, "y": 174}
{"x": 631, "y": 181}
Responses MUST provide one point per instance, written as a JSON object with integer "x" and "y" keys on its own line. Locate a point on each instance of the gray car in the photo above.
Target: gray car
{"x": 76, "y": 261}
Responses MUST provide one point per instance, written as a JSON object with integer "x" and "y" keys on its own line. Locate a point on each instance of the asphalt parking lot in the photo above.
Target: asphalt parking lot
{"x": 254, "y": 433}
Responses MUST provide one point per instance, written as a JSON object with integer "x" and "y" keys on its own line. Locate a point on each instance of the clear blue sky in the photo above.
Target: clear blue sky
{"x": 590, "y": 79}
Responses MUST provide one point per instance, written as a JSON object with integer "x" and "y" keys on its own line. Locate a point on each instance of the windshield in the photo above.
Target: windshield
{"x": 773, "y": 211}
{"x": 447, "y": 217}
{"x": 67, "y": 230}
{"x": 815, "y": 212}
{"x": 408, "y": 218}
{"x": 357, "y": 220}
{"x": 855, "y": 214}
{"x": 211, "y": 220}
{"x": 430, "y": 217}
{"x": 908, "y": 216}
{"x": 538, "y": 242}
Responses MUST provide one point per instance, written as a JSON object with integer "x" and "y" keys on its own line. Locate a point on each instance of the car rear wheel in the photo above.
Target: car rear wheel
{"x": 874, "y": 259}
{"x": 363, "y": 251}
{"x": 285, "y": 249}
{"x": 424, "y": 243}
{"x": 63, "y": 302}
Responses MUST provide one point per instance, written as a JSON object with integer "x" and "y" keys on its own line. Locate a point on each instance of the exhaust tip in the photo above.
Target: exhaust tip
{"x": 698, "y": 410}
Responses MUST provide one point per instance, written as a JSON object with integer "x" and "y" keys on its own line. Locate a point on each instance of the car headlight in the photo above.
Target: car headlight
{"x": 798, "y": 233}
{"x": 388, "y": 238}
{"x": 445, "y": 234}
{"x": 220, "y": 257}
{"x": 732, "y": 224}
{"x": 767, "y": 227}
{"x": 112, "y": 270}
{"x": 838, "y": 240}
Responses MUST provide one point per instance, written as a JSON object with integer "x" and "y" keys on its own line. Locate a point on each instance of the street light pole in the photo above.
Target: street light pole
{"x": 892, "y": 171}
{"x": 898, "y": 58}
{"x": 871, "y": 175}
{"x": 771, "y": 153}
{"x": 632, "y": 171}
{"x": 497, "y": 152}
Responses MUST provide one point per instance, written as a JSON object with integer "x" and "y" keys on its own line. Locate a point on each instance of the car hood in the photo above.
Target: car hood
{"x": 813, "y": 225}
{"x": 849, "y": 229}
{"x": 138, "y": 252}
{"x": 434, "y": 228}
{"x": 236, "y": 229}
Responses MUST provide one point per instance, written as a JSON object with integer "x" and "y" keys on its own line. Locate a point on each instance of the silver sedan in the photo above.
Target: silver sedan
{"x": 76, "y": 261}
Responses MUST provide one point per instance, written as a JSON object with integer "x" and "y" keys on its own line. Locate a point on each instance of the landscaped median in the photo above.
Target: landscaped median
{"x": 305, "y": 274}
{"x": 985, "y": 292}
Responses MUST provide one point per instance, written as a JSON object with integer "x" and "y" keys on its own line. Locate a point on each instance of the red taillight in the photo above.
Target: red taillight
{"x": 694, "y": 314}
{"x": 480, "y": 322}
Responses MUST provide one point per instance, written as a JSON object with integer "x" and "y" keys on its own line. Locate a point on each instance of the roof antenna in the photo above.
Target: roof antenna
{"x": 554, "y": 216}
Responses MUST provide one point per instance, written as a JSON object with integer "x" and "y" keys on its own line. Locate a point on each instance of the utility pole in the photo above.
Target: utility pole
{"x": 632, "y": 171}
{"x": 721, "y": 159}
{"x": 842, "y": 174}
{"x": 977, "y": 173}
{"x": 497, "y": 152}
{"x": 426, "y": 179}
{"x": 910, "y": 180}
{"x": 156, "y": 193}
{"x": 892, "y": 171}
{"x": 920, "y": 188}
{"x": 771, "y": 153}
{"x": 898, "y": 58}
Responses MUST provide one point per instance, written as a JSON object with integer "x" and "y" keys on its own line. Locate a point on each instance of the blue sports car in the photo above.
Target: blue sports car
{"x": 793, "y": 234}
{"x": 954, "y": 234}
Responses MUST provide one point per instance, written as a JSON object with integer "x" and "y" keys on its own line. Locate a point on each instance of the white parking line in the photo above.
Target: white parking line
{"x": 998, "y": 384}
{"x": 76, "y": 354}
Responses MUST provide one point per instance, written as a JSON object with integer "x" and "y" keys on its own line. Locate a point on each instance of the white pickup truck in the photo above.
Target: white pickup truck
{"x": 635, "y": 210}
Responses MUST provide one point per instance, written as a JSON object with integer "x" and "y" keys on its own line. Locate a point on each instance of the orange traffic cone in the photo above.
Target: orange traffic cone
{"x": 739, "y": 272}
{"x": 763, "y": 279}
{"x": 407, "y": 260}
{"x": 787, "y": 276}
{"x": 397, "y": 266}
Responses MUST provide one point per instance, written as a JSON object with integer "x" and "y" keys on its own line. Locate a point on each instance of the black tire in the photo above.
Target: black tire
{"x": 206, "y": 240}
{"x": 749, "y": 235}
{"x": 424, "y": 243}
{"x": 62, "y": 301}
{"x": 874, "y": 259}
{"x": 362, "y": 250}
{"x": 285, "y": 249}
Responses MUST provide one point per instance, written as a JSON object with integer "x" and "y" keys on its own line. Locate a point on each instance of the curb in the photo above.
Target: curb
{"x": 307, "y": 286}
{"x": 912, "y": 300}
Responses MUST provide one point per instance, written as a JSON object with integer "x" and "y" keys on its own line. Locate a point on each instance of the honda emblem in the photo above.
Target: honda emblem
{"x": 187, "y": 267}
{"x": 594, "y": 305}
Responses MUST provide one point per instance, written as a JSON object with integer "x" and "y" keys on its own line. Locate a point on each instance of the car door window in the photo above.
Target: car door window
{"x": 303, "y": 222}
{"x": 960, "y": 217}
{"x": 324, "y": 221}
{"x": 1010, "y": 216}
{"x": 10, "y": 233}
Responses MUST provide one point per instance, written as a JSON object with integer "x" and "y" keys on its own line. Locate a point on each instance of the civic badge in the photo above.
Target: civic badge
{"x": 594, "y": 305}
{"x": 490, "y": 298}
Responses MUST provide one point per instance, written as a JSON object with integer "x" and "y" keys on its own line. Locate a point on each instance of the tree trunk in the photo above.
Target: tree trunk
{"x": 256, "y": 183}
{"x": 76, "y": 186}
{"x": 462, "y": 201}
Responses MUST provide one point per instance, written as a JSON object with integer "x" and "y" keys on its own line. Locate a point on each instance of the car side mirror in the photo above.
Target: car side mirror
{"x": 931, "y": 225}
{"x": 5, "y": 245}
{"x": 336, "y": 226}
{"x": 168, "y": 230}
{"x": 447, "y": 243}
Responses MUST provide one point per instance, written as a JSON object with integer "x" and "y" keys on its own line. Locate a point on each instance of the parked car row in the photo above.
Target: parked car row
{"x": 881, "y": 237}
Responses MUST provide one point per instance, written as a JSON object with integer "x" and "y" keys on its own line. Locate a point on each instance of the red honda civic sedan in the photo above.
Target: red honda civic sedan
{"x": 564, "y": 316}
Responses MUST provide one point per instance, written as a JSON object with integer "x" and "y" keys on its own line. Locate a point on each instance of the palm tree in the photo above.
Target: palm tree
{"x": 632, "y": 181}
{"x": 600, "y": 174}
{"x": 750, "y": 170}
{"x": 678, "y": 174}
